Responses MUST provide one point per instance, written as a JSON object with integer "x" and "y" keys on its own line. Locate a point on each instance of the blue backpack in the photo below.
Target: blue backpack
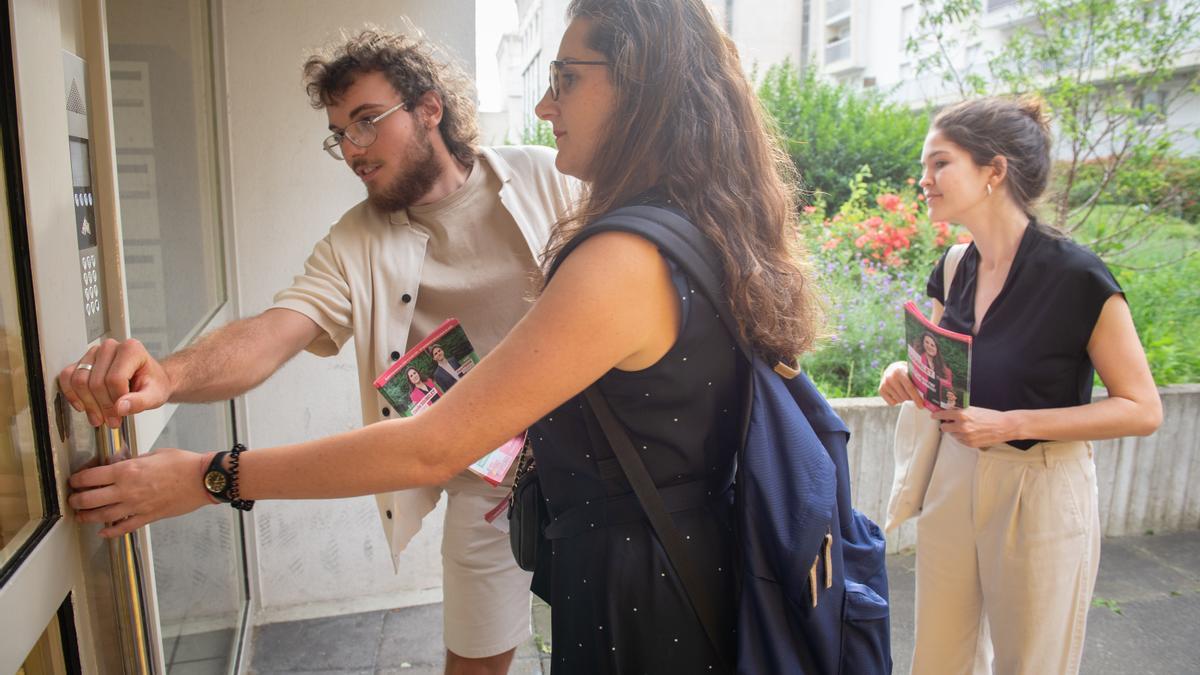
{"x": 813, "y": 583}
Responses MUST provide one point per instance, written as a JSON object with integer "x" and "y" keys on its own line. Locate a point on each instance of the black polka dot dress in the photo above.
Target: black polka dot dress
{"x": 617, "y": 605}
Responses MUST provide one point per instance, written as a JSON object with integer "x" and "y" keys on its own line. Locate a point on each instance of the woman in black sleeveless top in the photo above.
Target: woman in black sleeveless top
{"x": 649, "y": 103}
{"x": 640, "y": 122}
{"x": 1008, "y": 541}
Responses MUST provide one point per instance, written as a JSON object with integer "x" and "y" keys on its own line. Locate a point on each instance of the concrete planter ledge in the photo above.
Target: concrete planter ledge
{"x": 1147, "y": 484}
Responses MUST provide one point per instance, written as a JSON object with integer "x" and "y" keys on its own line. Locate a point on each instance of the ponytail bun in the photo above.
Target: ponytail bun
{"x": 1035, "y": 108}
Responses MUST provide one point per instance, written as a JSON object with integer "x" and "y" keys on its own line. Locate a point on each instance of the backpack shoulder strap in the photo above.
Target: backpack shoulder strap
{"x": 682, "y": 241}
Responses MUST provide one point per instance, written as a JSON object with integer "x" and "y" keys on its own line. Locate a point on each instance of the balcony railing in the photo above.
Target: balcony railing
{"x": 837, "y": 51}
{"x": 834, "y": 8}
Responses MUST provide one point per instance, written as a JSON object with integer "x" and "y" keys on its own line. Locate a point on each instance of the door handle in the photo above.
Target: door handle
{"x": 62, "y": 417}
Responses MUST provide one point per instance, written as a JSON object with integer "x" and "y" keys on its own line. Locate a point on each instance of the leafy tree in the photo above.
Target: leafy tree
{"x": 1103, "y": 68}
{"x": 831, "y": 131}
{"x": 539, "y": 133}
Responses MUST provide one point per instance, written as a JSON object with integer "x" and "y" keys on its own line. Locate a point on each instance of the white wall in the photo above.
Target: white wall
{"x": 310, "y": 558}
{"x": 766, "y": 31}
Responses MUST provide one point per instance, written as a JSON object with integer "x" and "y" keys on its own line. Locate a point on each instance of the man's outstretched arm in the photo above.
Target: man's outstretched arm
{"x": 124, "y": 379}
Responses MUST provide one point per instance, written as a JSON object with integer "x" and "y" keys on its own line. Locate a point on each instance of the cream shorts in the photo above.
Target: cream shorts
{"x": 485, "y": 595}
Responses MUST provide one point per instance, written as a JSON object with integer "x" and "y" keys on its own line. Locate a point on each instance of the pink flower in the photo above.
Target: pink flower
{"x": 911, "y": 181}
{"x": 810, "y": 209}
{"x": 889, "y": 202}
{"x": 964, "y": 238}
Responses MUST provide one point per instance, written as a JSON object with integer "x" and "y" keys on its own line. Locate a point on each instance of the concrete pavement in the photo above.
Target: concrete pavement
{"x": 1145, "y": 619}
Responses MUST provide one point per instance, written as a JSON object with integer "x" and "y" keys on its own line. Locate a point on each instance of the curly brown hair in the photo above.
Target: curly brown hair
{"x": 410, "y": 64}
{"x": 687, "y": 122}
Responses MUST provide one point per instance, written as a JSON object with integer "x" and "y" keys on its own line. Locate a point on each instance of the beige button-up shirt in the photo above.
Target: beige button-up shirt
{"x": 361, "y": 281}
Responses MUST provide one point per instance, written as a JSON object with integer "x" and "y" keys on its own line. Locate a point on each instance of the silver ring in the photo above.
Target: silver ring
{"x": 83, "y": 366}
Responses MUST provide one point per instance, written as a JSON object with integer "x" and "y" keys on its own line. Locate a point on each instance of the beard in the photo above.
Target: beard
{"x": 419, "y": 171}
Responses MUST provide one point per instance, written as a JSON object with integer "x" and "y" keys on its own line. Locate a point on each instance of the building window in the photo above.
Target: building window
{"x": 1151, "y": 107}
{"x": 972, "y": 58}
{"x": 996, "y": 5}
{"x": 837, "y": 43}
{"x": 908, "y": 25}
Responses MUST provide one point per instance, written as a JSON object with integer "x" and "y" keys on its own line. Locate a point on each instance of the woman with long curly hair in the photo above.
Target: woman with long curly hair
{"x": 650, "y": 105}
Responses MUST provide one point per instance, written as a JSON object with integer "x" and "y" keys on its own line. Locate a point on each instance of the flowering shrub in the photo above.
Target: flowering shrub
{"x": 871, "y": 257}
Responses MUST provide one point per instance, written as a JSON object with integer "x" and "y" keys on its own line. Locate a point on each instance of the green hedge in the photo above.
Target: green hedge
{"x": 1172, "y": 184}
{"x": 831, "y": 131}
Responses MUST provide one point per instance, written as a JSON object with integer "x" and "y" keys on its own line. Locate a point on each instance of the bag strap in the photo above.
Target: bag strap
{"x": 949, "y": 267}
{"x": 686, "y": 246}
{"x": 656, "y": 512}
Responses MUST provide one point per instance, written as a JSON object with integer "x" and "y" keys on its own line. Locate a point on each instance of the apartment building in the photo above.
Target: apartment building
{"x": 863, "y": 43}
{"x": 765, "y": 31}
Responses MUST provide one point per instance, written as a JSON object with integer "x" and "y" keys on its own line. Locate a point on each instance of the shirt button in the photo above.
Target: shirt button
{"x": 406, "y": 298}
{"x": 386, "y": 412}
{"x": 389, "y": 514}
{"x": 395, "y": 356}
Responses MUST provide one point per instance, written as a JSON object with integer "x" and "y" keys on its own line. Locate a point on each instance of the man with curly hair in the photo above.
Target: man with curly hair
{"x": 447, "y": 229}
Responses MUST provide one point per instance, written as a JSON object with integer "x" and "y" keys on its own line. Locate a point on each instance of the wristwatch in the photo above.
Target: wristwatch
{"x": 217, "y": 479}
{"x": 222, "y": 483}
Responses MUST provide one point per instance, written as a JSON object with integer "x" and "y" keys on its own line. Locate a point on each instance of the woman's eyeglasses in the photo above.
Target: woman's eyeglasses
{"x": 556, "y": 73}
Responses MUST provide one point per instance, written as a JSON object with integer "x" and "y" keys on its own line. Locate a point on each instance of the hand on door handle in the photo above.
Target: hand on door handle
{"x": 129, "y": 494}
{"x": 123, "y": 379}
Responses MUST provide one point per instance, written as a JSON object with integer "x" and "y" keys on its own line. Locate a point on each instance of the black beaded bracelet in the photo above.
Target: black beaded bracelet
{"x": 222, "y": 483}
{"x": 234, "y": 500}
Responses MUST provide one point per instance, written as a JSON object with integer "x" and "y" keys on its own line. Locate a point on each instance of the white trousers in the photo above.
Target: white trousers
{"x": 1008, "y": 544}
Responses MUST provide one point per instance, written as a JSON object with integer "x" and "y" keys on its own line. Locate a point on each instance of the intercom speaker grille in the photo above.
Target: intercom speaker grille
{"x": 75, "y": 100}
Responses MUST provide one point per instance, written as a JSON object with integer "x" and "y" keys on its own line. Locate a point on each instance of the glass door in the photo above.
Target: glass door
{"x": 160, "y": 61}
{"x": 67, "y": 601}
{"x": 112, "y": 178}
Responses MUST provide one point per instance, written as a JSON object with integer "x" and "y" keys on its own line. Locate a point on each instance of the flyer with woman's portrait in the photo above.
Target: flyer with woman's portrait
{"x": 430, "y": 369}
{"x": 939, "y": 361}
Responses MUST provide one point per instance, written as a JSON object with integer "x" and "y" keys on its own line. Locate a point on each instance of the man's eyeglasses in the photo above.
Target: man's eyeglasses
{"x": 556, "y": 73}
{"x": 361, "y": 133}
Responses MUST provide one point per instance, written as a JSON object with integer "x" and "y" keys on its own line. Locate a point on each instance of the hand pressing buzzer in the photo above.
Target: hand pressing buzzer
{"x": 611, "y": 305}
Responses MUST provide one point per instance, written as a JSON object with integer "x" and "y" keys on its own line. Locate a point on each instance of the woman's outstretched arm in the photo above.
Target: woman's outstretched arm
{"x": 611, "y": 304}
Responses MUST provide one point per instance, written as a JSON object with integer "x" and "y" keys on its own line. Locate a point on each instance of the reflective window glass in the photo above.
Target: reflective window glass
{"x": 198, "y": 571}
{"x": 160, "y": 60}
{"x": 21, "y": 504}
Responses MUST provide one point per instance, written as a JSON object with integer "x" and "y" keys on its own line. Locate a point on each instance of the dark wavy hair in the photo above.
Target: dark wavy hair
{"x": 1016, "y": 129}
{"x": 411, "y": 66}
{"x": 687, "y": 122}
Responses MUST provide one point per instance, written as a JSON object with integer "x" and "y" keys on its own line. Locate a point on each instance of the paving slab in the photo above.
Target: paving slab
{"x": 1180, "y": 551}
{"x": 413, "y": 636}
{"x": 1130, "y": 571}
{"x": 338, "y": 643}
{"x": 1148, "y": 637}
